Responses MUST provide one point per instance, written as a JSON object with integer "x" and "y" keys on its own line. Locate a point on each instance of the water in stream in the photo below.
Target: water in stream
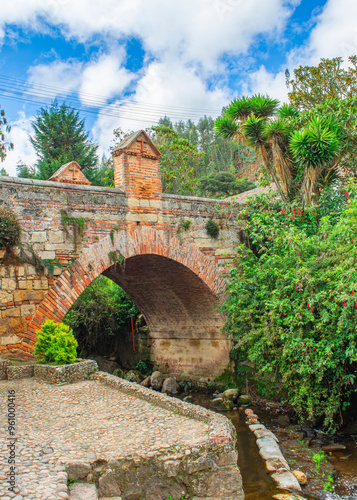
{"x": 258, "y": 485}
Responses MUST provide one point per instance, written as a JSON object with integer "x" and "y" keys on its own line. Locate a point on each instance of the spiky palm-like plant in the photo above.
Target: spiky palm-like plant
{"x": 314, "y": 149}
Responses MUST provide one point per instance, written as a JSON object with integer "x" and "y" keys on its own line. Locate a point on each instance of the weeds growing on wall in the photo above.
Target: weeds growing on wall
{"x": 212, "y": 229}
{"x": 10, "y": 230}
{"x": 293, "y": 300}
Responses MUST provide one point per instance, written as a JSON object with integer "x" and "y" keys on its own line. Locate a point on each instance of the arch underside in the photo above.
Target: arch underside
{"x": 181, "y": 311}
{"x": 176, "y": 287}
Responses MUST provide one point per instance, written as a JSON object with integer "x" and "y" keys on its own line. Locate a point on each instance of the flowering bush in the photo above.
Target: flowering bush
{"x": 293, "y": 300}
{"x": 56, "y": 344}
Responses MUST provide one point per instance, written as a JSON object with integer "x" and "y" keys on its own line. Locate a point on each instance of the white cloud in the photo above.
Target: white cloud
{"x": 273, "y": 84}
{"x": 199, "y": 31}
{"x": 63, "y": 77}
{"x": 105, "y": 77}
{"x": 23, "y": 149}
{"x": 166, "y": 88}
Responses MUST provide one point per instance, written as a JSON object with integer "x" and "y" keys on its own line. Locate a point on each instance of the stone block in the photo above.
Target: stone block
{"x": 155, "y": 203}
{"x": 9, "y": 339}
{"x": 82, "y": 491}
{"x": 28, "y": 310}
{"x": 47, "y": 255}
{"x": 55, "y": 237}
{"x": 140, "y": 217}
{"x": 13, "y": 312}
{"x": 12, "y": 325}
{"x": 8, "y": 285}
{"x": 108, "y": 484}
{"x": 21, "y": 295}
{"x": 78, "y": 470}
{"x": 286, "y": 481}
{"x": 5, "y": 297}
{"x": 16, "y": 372}
{"x": 39, "y": 237}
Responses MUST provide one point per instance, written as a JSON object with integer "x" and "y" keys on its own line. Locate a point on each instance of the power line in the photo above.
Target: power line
{"x": 15, "y": 89}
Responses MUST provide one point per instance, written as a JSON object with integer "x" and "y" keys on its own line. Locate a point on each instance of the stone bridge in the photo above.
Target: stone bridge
{"x": 135, "y": 235}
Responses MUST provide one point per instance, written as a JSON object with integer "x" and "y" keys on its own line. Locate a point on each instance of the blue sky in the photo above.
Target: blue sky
{"x": 125, "y": 63}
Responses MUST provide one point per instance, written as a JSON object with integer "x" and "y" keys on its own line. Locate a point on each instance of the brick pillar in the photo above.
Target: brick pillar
{"x": 137, "y": 167}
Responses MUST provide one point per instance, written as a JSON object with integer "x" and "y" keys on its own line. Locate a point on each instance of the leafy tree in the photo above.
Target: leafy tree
{"x": 100, "y": 314}
{"x": 313, "y": 85}
{"x": 25, "y": 171}
{"x": 4, "y": 128}
{"x": 292, "y": 300}
{"x": 4, "y": 173}
{"x": 223, "y": 184}
{"x": 59, "y": 137}
{"x": 179, "y": 161}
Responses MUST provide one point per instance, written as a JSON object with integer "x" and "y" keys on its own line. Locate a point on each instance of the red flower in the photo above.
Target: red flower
{"x": 344, "y": 304}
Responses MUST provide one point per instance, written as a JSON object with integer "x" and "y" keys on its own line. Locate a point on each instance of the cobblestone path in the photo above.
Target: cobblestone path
{"x": 86, "y": 420}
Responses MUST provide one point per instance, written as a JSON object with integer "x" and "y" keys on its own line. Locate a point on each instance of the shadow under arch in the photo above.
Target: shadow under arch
{"x": 177, "y": 288}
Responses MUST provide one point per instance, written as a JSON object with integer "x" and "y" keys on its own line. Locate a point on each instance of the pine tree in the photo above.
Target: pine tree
{"x": 59, "y": 137}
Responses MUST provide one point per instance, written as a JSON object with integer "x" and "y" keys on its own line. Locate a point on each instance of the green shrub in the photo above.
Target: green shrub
{"x": 212, "y": 229}
{"x": 10, "y": 230}
{"x": 292, "y": 302}
{"x": 56, "y": 344}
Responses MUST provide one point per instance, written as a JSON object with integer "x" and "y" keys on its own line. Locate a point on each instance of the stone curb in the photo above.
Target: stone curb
{"x": 51, "y": 374}
{"x": 221, "y": 429}
{"x": 269, "y": 449}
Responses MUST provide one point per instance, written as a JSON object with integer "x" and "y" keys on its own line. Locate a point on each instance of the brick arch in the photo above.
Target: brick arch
{"x": 173, "y": 283}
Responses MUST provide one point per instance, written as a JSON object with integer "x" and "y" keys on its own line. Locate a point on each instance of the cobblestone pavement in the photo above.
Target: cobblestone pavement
{"x": 86, "y": 420}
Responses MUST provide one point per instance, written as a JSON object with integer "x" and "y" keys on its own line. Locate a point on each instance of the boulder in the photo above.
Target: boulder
{"x": 108, "y": 484}
{"x": 188, "y": 398}
{"x": 276, "y": 464}
{"x": 146, "y": 382}
{"x": 83, "y": 491}
{"x": 248, "y": 412}
{"x": 333, "y": 447}
{"x": 286, "y": 481}
{"x": 221, "y": 404}
{"x": 133, "y": 376}
{"x": 244, "y": 399}
{"x": 300, "y": 476}
{"x": 118, "y": 372}
{"x": 265, "y": 433}
{"x": 283, "y": 420}
{"x": 231, "y": 394}
{"x": 169, "y": 386}
{"x": 104, "y": 364}
{"x": 157, "y": 380}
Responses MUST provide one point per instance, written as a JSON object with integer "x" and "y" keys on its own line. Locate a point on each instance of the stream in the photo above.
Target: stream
{"x": 258, "y": 485}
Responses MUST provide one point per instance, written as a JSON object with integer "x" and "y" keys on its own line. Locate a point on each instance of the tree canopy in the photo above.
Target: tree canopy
{"x": 59, "y": 137}
{"x": 4, "y": 129}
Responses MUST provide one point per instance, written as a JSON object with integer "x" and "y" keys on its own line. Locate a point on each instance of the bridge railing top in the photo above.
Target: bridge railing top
{"x": 192, "y": 198}
{"x": 62, "y": 185}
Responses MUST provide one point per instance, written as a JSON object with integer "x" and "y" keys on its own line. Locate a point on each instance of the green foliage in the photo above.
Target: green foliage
{"x": 56, "y": 344}
{"x": 4, "y": 128}
{"x": 184, "y": 225}
{"x": 143, "y": 368}
{"x": 292, "y": 302}
{"x": 10, "y": 230}
{"x": 78, "y": 222}
{"x": 59, "y": 137}
{"x": 300, "y": 152}
{"x": 222, "y": 184}
{"x": 179, "y": 161}
{"x": 212, "y": 229}
{"x": 100, "y": 313}
{"x": 313, "y": 85}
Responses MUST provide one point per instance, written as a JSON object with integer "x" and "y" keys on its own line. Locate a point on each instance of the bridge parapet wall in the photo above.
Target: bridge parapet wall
{"x": 60, "y": 222}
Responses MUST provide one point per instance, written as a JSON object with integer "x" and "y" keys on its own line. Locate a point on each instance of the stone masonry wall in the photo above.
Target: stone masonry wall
{"x": 69, "y": 235}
